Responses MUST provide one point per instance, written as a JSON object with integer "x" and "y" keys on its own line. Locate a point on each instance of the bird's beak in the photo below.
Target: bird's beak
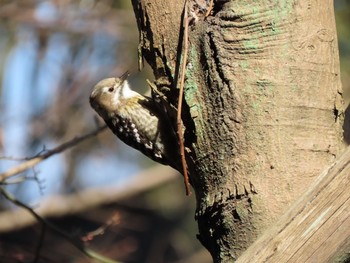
{"x": 124, "y": 76}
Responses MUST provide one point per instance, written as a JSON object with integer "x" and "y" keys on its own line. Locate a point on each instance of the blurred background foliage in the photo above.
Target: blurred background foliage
{"x": 52, "y": 54}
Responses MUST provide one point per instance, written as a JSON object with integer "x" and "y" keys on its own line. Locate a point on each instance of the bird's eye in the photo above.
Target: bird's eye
{"x": 111, "y": 89}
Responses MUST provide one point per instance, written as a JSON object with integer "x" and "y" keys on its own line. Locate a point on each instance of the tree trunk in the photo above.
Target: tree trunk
{"x": 263, "y": 111}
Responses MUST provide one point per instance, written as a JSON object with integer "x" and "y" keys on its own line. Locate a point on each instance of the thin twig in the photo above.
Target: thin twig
{"x": 139, "y": 51}
{"x": 179, "y": 106}
{"x": 68, "y": 204}
{"x": 10, "y": 158}
{"x": 90, "y": 253}
{"x": 16, "y": 180}
{"x": 102, "y": 229}
{"x": 155, "y": 90}
{"x": 40, "y": 157}
{"x": 40, "y": 243}
{"x": 209, "y": 8}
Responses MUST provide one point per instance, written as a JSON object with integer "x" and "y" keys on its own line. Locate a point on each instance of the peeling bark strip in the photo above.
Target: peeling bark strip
{"x": 262, "y": 108}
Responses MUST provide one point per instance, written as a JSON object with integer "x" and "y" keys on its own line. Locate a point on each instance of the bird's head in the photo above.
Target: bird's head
{"x": 108, "y": 93}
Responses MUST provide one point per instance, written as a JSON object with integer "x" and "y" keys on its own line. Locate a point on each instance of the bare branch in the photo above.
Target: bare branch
{"x": 39, "y": 158}
{"x": 114, "y": 219}
{"x": 56, "y": 206}
{"x": 11, "y": 158}
{"x": 179, "y": 106}
{"x": 40, "y": 243}
{"x": 209, "y": 8}
{"x": 79, "y": 245}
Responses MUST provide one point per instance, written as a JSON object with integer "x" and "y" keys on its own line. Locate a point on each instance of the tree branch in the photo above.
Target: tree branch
{"x": 42, "y": 156}
{"x": 90, "y": 253}
{"x": 63, "y": 205}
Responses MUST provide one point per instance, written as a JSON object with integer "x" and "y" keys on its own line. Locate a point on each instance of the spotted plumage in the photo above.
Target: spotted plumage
{"x": 135, "y": 120}
{"x": 145, "y": 140}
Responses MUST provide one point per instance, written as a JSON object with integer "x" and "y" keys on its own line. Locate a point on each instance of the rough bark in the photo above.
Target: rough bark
{"x": 263, "y": 109}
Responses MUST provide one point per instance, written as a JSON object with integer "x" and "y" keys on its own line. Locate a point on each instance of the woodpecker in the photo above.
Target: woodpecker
{"x": 136, "y": 120}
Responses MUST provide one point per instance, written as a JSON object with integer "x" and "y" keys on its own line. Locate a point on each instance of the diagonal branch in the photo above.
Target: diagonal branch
{"x": 68, "y": 204}
{"x": 40, "y": 157}
{"x": 90, "y": 253}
